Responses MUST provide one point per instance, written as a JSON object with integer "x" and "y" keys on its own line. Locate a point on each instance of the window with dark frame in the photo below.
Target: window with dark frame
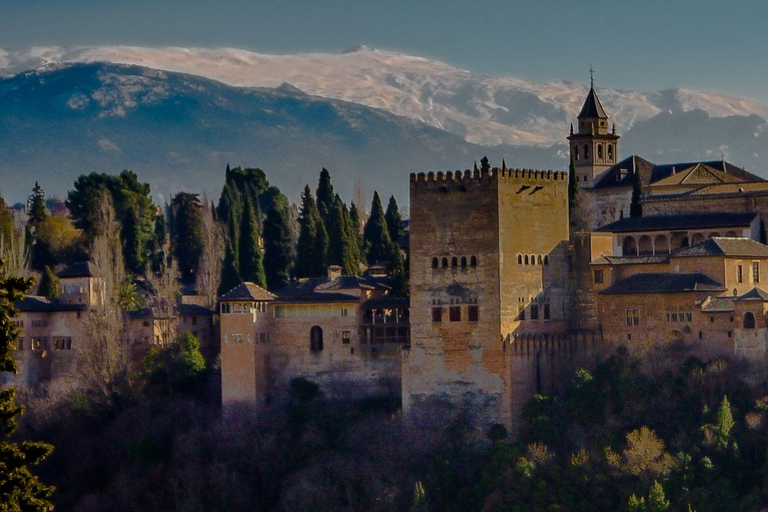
{"x": 454, "y": 313}
{"x": 473, "y": 313}
{"x": 437, "y": 314}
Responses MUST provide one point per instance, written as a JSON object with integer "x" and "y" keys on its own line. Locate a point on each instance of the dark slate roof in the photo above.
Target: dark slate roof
{"x": 194, "y": 310}
{"x": 665, "y": 283}
{"x": 592, "y": 107}
{"x": 247, "y": 291}
{"x": 80, "y": 269}
{"x": 32, "y": 303}
{"x": 724, "y": 246}
{"x": 317, "y": 297}
{"x": 754, "y": 294}
{"x": 326, "y": 284}
{"x": 688, "y": 221}
{"x": 630, "y": 260}
{"x": 651, "y": 173}
{"x": 718, "y": 304}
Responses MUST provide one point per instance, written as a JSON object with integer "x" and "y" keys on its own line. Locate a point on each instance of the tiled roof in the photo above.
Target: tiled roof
{"x": 32, "y": 303}
{"x": 697, "y": 174}
{"x": 325, "y": 284}
{"x": 665, "y": 283}
{"x": 592, "y": 106}
{"x": 717, "y": 305}
{"x": 688, "y": 221}
{"x": 651, "y": 173}
{"x": 754, "y": 294}
{"x": 317, "y": 297}
{"x": 724, "y": 246}
{"x": 631, "y": 260}
{"x": 247, "y": 291}
{"x": 387, "y": 302}
{"x": 80, "y": 269}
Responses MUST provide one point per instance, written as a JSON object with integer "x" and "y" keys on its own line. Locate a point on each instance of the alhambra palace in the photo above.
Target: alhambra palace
{"x": 506, "y": 298}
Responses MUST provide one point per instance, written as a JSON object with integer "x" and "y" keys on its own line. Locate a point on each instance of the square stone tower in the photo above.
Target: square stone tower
{"x": 485, "y": 248}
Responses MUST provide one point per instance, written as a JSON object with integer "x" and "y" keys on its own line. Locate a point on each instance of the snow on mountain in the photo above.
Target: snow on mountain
{"x": 482, "y": 109}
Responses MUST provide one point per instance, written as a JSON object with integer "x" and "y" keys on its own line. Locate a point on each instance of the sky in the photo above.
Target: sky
{"x": 646, "y": 45}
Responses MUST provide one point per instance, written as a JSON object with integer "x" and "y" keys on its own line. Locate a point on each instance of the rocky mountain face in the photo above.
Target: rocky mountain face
{"x": 178, "y": 115}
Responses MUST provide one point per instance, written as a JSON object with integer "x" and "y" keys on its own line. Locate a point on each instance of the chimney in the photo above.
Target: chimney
{"x": 334, "y": 271}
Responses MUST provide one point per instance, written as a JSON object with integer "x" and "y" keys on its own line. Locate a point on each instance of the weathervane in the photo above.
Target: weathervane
{"x": 591, "y": 76}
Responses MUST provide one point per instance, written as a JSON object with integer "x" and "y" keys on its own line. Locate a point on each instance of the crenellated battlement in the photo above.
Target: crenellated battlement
{"x": 467, "y": 178}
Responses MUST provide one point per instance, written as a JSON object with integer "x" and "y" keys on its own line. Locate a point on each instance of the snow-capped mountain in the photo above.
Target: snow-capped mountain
{"x": 481, "y": 109}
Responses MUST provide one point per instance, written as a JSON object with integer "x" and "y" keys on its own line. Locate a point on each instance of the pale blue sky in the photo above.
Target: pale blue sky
{"x": 646, "y": 44}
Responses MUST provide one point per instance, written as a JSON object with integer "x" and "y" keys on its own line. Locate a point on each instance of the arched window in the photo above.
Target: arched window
{"x": 473, "y": 261}
{"x": 519, "y": 259}
{"x": 316, "y": 338}
{"x": 454, "y": 262}
{"x": 586, "y": 150}
{"x": 610, "y": 152}
{"x": 434, "y": 262}
{"x": 463, "y": 262}
{"x": 540, "y": 261}
{"x": 526, "y": 259}
{"x": 546, "y": 259}
{"x": 599, "y": 151}
{"x": 644, "y": 245}
{"x": 749, "y": 320}
{"x": 445, "y": 262}
{"x": 533, "y": 259}
{"x": 576, "y": 152}
{"x": 629, "y": 247}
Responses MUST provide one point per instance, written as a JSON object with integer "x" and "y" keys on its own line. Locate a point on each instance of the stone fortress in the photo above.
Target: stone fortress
{"x": 506, "y": 298}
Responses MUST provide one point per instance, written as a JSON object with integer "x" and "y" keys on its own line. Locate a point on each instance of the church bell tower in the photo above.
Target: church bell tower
{"x": 594, "y": 149}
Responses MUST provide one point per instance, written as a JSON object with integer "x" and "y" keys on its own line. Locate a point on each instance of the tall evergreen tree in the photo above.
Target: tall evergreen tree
{"x": 485, "y": 164}
{"x": 352, "y": 256}
{"x": 325, "y": 196}
{"x": 355, "y": 224}
{"x": 337, "y": 244}
{"x": 312, "y": 247}
{"x": 36, "y": 206}
{"x": 394, "y": 221}
{"x": 39, "y": 255}
{"x": 187, "y": 233}
{"x": 576, "y": 214}
{"x": 229, "y": 274}
{"x": 376, "y": 234}
{"x": 251, "y": 264}
{"x": 49, "y": 284}
{"x": 635, "y": 207}
{"x": 278, "y": 253}
{"x": 20, "y": 490}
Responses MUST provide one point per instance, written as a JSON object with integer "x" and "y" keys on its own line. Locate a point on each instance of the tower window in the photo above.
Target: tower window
{"x": 437, "y": 314}
{"x": 445, "y": 262}
{"x": 576, "y": 152}
{"x": 463, "y": 262}
{"x": 599, "y": 151}
{"x": 519, "y": 259}
{"x": 586, "y": 150}
{"x": 454, "y": 262}
{"x": 473, "y": 313}
{"x": 316, "y": 338}
{"x": 434, "y": 262}
{"x": 454, "y": 313}
{"x": 610, "y": 151}
{"x": 473, "y": 261}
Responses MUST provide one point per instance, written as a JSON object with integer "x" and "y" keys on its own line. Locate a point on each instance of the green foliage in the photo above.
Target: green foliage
{"x": 636, "y": 207}
{"x": 278, "y": 250}
{"x": 175, "y": 368}
{"x": 343, "y": 249}
{"x": 134, "y": 208}
{"x": 394, "y": 221}
{"x": 20, "y": 490}
{"x": 376, "y": 234}
{"x": 325, "y": 197}
{"x": 186, "y": 232}
{"x": 419, "y": 498}
{"x": 129, "y": 297}
{"x": 49, "y": 284}
{"x": 251, "y": 263}
{"x": 312, "y": 247}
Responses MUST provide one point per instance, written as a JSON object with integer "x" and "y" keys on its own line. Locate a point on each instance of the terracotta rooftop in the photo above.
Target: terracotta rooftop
{"x": 665, "y": 283}
{"x": 717, "y": 304}
{"x": 247, "y": 291}
{"x": 724, "y": 246}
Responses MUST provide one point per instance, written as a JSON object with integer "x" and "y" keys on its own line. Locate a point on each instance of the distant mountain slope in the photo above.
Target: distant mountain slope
{"x": 482, "y": 109}
{"x": 179, "y": 131}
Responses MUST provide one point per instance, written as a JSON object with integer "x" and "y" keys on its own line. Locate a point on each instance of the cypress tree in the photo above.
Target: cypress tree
{"x": 485, "y": 164}
{"x": 278, "y": 254}
{"x": 325, "y": 196}
{"x": 49, "y": 284}
{"x": 310, "y": 256}
{"x": 336, "y": 234}
{"x": 229, "y": 275}
{"x": 355, "y": 224}
{"x": 396, "y": 270}
{"x": 575, "y": 212}
{"x": 635, "y": 208}
{"x": 376, "y": 234}
{"x": 251, "y": 264}
{"x": 394, "y": 221}
{"x": 187, "y": 233}
{"x": 352, "y": 255}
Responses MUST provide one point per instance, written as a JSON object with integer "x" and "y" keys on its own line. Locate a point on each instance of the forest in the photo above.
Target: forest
{"x": 635, "y": 432}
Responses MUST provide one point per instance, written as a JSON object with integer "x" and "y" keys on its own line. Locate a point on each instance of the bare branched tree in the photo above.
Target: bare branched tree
{"x": 209, "y": 268}
{"x": 104, "y": 360}
{"x": 15, "y": 254}
{"x": 165, "y": 296}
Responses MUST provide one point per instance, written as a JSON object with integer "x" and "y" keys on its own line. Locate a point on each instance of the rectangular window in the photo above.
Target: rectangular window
{"x": 599, "y": 276}
{"x": 755, "y": 271}
{"x": 547, "y": 314}
{"x": 739, "y": 274}
{"x": 343, "y": 311}
{"x": 633, "y": 317}
{"x": 437, "y": 314}
{"x": 262, "y": 337}
{"x": 521, "y": 312}
{"x": 345, "y": 337}
{"x": 473, "y": 313}
{"x": 20, "y": 344}
{"x": 237, "y": 338}
{"x": 534, "y": 311}
{"x": 454, "y": 313}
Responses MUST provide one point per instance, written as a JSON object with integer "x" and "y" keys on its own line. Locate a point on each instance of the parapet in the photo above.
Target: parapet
{"x": 465, "y": 179}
